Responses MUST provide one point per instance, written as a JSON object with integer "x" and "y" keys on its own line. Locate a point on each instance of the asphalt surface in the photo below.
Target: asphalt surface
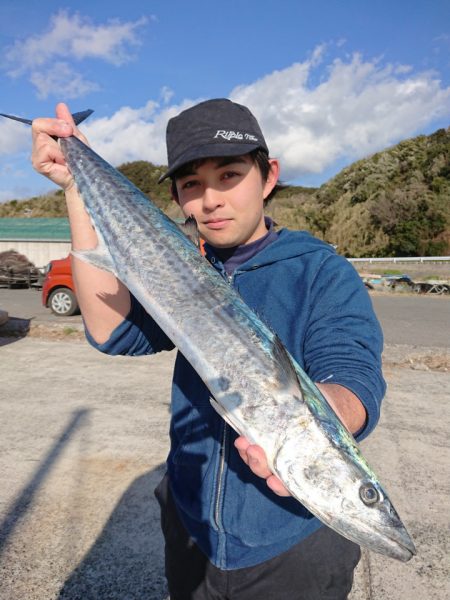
{"x": 83, "y": 440}
{"x": 27, "y": 304}
{"x": 405, "y": 319}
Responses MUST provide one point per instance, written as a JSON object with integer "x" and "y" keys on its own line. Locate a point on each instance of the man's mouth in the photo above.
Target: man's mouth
{"x": 216, "y": 223}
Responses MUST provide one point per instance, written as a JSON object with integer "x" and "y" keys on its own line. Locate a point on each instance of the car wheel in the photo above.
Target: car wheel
{"x": 63, "y": 302}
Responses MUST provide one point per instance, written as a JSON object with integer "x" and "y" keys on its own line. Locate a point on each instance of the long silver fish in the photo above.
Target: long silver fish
{"x": 256, "y": 386}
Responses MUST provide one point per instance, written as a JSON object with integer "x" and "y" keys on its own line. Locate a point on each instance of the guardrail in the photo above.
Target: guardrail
{"x": 399, "y": 259}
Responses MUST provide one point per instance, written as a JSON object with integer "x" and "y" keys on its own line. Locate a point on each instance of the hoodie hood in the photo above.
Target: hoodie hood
{"x": 289, "y": 244}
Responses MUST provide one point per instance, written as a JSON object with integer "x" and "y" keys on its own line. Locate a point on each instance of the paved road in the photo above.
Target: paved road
{"x": 27, "y": 304}
{"x": 413, "y": 320}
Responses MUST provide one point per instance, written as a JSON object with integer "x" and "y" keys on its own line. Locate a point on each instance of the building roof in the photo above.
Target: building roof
{"x": 34, "y": 229}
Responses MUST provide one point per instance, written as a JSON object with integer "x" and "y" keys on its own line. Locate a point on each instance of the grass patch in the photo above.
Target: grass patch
{"x": 387, "y": 272}
{"x": 69, "y": 330}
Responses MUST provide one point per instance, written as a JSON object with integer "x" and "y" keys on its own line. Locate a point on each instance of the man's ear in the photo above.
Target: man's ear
{"x": 272, "y": 177}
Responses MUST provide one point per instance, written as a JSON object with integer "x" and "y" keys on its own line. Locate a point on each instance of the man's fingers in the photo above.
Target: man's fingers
{"x": 51, "y": 127}
{"x": 62, "y": 126}
{"x": 241, "y": 444}
{"x": 257, "y": 461}
{"x": 277, "y": 486}
{"x": 63, "y": 113}
{"x": 255, "y": 457}
{"x": 46, "y": 154}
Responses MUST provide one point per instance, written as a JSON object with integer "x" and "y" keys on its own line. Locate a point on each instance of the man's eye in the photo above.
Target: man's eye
{"x": 229, "y": 174}
{"x": 188, "y": 185}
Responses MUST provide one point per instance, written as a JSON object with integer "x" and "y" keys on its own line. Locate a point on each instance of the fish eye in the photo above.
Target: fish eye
{"x": 368, "y": 494}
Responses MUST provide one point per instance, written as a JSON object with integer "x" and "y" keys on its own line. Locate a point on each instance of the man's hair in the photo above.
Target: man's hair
{"x": 258, "y": 157}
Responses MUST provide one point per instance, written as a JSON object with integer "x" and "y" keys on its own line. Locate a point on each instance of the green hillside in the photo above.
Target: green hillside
{"x": 394, "y": 203}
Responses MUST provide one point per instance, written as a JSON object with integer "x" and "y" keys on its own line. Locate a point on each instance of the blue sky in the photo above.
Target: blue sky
{"x": 330, "y": 81}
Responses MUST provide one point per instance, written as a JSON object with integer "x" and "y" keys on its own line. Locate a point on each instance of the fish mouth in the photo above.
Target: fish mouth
{"x": 396, "y": 543}
{"x": 405, "y": 547}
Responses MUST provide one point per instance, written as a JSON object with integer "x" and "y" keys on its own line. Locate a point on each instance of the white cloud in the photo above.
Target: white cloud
{"x": 358, "y": 108}
{"x": 133, "y": 134}
{"x": 70, "y": 38}
{"x": 354, "y": 107}
{"x": 166, "y": 94}
{"x": 61, "y": 80}
{"x": 14, "y": 137}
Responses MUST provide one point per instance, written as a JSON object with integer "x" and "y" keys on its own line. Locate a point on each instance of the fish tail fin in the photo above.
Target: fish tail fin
{"x": 78, "y": 117}
{"x": 27, "y": 121}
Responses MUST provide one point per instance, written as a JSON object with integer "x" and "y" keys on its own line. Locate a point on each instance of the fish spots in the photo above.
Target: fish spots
{"x": 223, "y": 383}
{"x": 312, "y": 472}
{"x": 304, "y": 421}
{"x": 229, "y": 310}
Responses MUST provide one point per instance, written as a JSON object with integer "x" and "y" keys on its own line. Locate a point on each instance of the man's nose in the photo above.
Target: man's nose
{"x": 212, "y": 198}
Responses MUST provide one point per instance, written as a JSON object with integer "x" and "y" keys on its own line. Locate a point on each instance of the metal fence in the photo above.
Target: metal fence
{"x": 400, "y": 259}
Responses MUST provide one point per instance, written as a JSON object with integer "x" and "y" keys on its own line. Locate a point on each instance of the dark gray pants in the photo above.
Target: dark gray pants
{"x": 318, "y": 568}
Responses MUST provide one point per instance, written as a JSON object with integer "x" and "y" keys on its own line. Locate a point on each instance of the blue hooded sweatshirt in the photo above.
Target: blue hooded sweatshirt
{"x": 317, "y": 304}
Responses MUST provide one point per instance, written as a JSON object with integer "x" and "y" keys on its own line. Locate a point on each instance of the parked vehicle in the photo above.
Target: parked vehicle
{"x": 58, "y": 290}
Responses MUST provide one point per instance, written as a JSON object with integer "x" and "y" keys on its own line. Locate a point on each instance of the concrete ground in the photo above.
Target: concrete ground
{"x": 83, "y": 439}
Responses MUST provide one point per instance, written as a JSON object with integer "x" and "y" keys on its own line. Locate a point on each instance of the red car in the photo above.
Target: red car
{"x": 58, "y": 290}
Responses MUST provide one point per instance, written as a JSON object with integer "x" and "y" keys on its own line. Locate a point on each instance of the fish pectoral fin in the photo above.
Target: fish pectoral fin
{"x": 226, "y": 416}
{"x": 190, "y": 230}
{"x": 288, "y": 373}
{"x": 98, "y": 258}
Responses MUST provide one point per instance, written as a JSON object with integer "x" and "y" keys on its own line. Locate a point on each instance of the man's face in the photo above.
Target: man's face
{"x": 226, "y": 197}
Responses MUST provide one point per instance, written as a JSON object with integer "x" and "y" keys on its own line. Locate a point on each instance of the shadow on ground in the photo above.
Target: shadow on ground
{"x": 126, "y": 561}
{"x": 26, "y": 497}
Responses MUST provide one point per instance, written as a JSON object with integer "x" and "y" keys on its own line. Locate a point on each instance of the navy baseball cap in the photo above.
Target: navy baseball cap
{"x": 212, "y": 128}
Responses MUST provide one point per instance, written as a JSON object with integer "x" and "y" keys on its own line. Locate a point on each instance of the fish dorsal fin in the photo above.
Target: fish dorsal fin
{"x": 78, "y": 117}
{"x": 190, "y": 230}
{"x": 287, "y": 372}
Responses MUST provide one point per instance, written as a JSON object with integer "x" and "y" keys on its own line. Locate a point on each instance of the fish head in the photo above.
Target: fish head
{"x": 336, "y": 484}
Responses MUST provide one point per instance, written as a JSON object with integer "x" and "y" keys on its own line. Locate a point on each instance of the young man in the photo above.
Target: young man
{"x": 231, "y": 529}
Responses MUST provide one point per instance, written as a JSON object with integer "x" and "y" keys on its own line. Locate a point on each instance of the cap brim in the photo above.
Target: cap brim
{"x": 209, "y": 151}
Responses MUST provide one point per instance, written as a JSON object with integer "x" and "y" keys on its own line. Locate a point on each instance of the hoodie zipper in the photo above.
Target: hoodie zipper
{"x": 223, "y": 448}
{"x": 224, "y": 438}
